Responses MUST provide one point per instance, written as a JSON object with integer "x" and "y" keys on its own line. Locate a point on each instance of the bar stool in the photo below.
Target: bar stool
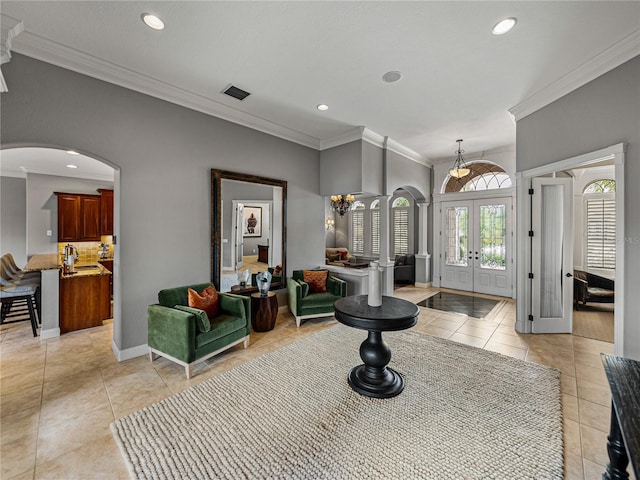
{"x": 11, "y": 294}
{"x": 8, "y": 278}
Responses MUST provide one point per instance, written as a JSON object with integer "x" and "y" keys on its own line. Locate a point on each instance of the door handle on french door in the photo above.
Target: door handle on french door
{"x": 568, "y": 275}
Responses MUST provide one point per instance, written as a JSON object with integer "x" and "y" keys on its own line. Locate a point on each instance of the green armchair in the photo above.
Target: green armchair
{"x": 185, "y": 335}
{"x": 303, "y": 304}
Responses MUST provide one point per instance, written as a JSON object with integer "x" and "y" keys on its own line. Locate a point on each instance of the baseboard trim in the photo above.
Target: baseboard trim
{"x": 423, "y": 285}
{"x": 49, "y": 333}
{"x": 129, "y": 353}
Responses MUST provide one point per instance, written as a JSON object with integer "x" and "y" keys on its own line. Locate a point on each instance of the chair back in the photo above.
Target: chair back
{"x": 170, "y": 297}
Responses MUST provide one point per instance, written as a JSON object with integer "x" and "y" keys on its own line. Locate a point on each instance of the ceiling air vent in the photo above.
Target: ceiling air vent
{"x": 236, "y": 92}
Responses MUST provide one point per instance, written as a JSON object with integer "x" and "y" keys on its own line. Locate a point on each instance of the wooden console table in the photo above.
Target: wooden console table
{"x": 623, "y": 442}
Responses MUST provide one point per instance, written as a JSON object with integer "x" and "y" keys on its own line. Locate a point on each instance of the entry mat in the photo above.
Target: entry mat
{"x": 475, "y": 307}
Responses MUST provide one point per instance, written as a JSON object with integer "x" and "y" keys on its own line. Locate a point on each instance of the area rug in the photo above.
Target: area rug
{"x": 465, "y": 413}
{"x": 476, "y": 307}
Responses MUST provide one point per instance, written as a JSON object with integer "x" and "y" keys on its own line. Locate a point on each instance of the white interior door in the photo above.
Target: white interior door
{"x": 552, "y": 255}
{"x": 476, "y": 241}
{"x": 457, "y": 258}
{"x": 238, "y": 239}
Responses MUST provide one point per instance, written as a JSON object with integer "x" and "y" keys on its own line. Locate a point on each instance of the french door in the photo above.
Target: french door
{"x": 476, "y": 245}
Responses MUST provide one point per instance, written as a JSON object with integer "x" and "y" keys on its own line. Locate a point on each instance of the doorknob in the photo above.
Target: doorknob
{"x": 568, "y": 275}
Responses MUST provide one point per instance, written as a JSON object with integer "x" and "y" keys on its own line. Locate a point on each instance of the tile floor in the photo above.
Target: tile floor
{"x": 58, "y": 397}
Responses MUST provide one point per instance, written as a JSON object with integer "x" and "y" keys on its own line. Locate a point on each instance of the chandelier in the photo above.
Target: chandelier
{"x": 459, "y": 168}
{"x": 342, "y": 203}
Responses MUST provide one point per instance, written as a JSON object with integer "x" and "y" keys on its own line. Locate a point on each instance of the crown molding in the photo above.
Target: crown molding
{"x": 51, "y": 52}
{"x": 612, "y": 57}
{"x": 13, "y": 174}
{"x": 71, "y": 174}
{"x": 369, "y": 136}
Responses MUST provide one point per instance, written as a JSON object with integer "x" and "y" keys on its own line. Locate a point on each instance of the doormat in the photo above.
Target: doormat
{"x": 475, "y": 307}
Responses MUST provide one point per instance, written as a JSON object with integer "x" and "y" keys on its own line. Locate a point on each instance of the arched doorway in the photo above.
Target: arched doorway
{"x": 43, "y": 170}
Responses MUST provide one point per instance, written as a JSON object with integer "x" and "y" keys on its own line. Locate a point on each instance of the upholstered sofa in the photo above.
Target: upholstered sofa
{"x": 304, "y": 304}
{"x": 404, "y": 269}
{"x": 588, "y": 287}
{"x": 176, "y": 331}
{"x": 337, "y": 256}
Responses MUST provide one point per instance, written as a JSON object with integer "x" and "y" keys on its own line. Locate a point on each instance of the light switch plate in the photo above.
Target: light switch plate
{"x": 49, "y": 233}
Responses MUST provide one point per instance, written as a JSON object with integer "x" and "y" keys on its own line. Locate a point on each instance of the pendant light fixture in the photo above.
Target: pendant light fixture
{"x": 342, "y": 203}
{"x": 459, "y": 168}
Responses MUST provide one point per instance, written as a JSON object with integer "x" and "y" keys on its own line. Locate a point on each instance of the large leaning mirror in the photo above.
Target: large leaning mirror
{"x": 248, "y": 229}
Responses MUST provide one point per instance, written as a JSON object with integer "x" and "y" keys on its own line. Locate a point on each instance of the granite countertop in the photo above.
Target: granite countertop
{"x": 86, "y": 270}
{"x": 43, "y": 261}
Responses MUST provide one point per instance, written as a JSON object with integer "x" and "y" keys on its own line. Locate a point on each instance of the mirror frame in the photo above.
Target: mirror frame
{"x": 216, "y": 218}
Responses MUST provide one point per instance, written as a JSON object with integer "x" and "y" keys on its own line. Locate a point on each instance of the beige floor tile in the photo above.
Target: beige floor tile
{"x": 97, "y": 460}
{"x": 447, "y": 324}
{"x": 475, "y": 331}
{"x": 506, "y": 330}
{"x": 20, "y": 424}
{"x": 568, "y": 385}
{"x": 591, "y": 374}
{"x": 594, "y": 392}
{"x": 573, "y": 467}
{"x": 594, "y": 444}
{"x": 587, "y": 358}
{"x": 28, "y": 475}
{"x": 481, "y": 324}
{"x": 594, "y": 415}
{"x": 570, "y": 407}
{"x": 571, "y": 435}
{"x": 593, "y": 471}
{"x": 438, "y": 331}
{"x": 17, "y": 456}
{"x": 589, "y": 345}
{"x": 514, "y": 340}
{"x": 64, "y": 407}
{"x": 508, "y": 350}
{"x": 468, "y": 340}
{"x": 24, "y": 399}
{"x": 565, "y": 366}
{"x": 27, "y": 377}
{"x": 69, "y": 435}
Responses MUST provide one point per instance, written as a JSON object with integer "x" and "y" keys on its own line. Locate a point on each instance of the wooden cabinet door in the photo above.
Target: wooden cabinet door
{"x": 68, "y": 217}
{"x": 106, "y": 212}
{"x": 90, "y": 217}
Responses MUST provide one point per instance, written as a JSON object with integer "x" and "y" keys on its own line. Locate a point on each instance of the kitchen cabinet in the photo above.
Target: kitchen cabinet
{"x": 108, "y": 264}
{"x": 84, "y": 301}
{"x": 106, "y": 211}
{"x": 78, "y": 217}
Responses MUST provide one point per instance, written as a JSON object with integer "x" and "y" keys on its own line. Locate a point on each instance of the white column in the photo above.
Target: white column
{"x": 49, "y": 298}
{"x": 385, "y": 247}
{"x": 423, "y": 259}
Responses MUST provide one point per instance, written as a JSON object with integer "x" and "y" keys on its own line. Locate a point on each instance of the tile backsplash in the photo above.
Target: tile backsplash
{"x": 88, "y": 252}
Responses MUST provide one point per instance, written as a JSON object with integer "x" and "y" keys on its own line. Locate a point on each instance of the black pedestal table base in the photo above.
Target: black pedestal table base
{"x": 374, "y": 378}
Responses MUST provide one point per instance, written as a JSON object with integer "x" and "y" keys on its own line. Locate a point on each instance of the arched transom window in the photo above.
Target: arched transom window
{"x": 483, "y": 176}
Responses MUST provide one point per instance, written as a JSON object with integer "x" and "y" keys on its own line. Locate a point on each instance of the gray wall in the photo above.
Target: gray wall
{"x": 604, "y": 112}
{"x": 165, "y": 153}
{"x": 341, "y": 169}
{"x": 13, "y": 218}
{"x": 409, "y": 175}
{"x": 42, "y": 207}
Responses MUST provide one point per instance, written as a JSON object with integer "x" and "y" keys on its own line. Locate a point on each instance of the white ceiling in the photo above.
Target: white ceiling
{"x": 17, "y": 162}
{"x": 459, "y": 80}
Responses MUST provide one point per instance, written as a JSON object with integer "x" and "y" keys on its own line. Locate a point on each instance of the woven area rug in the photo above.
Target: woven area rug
{"x": 465, "y": 413}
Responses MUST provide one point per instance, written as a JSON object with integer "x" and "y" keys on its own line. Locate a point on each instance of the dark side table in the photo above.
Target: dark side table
{"x": 264, "y": 311}
{"x": 374, "y": 378}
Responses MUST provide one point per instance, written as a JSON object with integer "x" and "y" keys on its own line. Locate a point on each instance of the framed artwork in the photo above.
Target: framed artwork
{"x": 252, "y": 222}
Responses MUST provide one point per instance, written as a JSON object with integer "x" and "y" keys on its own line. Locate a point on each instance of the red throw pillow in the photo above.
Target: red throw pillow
{"x": 344, "y": 254}
{"x": 317, "y": 280}
{"x": 206, "y": 300}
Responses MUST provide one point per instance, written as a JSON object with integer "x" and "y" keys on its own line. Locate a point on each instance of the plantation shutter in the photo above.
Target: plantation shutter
{"x": 601, "y": 233}
{"x": 357, "y": 231}
{"x": 400, "y": 231}
{"x": 375, "y": 231}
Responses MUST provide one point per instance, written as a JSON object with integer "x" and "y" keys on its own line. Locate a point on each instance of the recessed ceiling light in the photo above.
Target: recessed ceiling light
{"x": 323, "y": 107}
{"x": 72, "y": 166}
{"x": 72, "y": 152}
{"x": 503, "y": 26}
{"x": 152, "y": 21}
{"x": 391, "y": 77}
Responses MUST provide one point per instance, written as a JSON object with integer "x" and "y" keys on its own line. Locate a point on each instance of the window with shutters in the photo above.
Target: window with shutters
{"x": 600, "y": 220}
{"x": 400, "y": 208}
{"x": 357, "y": 227}
{"x": 375, "y": 227}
